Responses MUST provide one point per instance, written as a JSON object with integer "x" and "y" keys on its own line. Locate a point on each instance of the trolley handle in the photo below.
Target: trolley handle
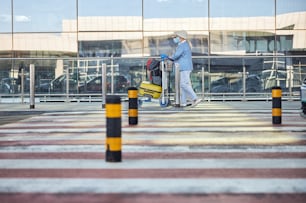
{"x": 165, "y": 56}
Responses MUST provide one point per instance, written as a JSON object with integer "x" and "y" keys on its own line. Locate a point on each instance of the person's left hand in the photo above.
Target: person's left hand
{"x": 163, "y": 56}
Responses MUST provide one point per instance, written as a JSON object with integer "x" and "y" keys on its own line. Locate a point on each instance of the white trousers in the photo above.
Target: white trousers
{"x": 187, "y": 91}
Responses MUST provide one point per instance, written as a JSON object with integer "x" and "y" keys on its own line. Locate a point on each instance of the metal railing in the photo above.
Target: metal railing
{"x": 207, "y": 72}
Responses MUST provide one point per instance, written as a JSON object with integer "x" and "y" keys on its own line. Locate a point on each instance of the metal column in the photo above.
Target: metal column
{"x": 244, "y": 73}
{"x": 32, "y": 86}
{"x": 22, "y": 85}
{"x": 67, "y": 84}
{"x": 203, "y": 82}
{"x": 103, "y": 83}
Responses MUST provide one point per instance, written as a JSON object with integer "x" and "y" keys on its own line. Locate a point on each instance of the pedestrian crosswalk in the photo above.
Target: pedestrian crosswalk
{"x": 211, "y": 153}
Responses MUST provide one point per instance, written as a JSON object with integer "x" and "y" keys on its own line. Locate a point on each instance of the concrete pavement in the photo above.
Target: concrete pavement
{"x": 97, "y": 106}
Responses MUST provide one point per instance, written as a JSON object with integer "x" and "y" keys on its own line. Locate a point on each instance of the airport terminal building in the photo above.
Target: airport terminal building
{"x": 241, "y": 48}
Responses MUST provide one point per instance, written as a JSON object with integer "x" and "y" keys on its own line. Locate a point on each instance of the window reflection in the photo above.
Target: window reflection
{"x": 106, "y": 44}
{"x": 292, "y": 21}
{"x": 109, "y": 23}
{"x": 287, "y": 6}
{"x": 5, "y": 45}
{"x": 241, "y": 8}
{"x": 242, "y": 15}
{"x": 109, "y": 8}
{"x": 42, "y": 16}
{"x": 45, "y": 44}
{"x": 158, "y": 43}
{"x": 121, "y": 31}
{"x": 254, "y": 42}
{"x": 291, "y": 40}
{"x": 5, "y": 16}
{"x": 175, "y": 9}
{"x": 175, "y": 15}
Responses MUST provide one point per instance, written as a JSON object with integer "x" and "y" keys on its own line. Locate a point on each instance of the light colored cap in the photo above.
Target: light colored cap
{"x": 181, "y": 33}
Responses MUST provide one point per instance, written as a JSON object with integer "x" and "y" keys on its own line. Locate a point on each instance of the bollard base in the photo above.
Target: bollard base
{"x": 32, "y": 106}
{"x": 277, "y": 120}
{"x": 133, "y": 120}
{"x": 113, "y": 156}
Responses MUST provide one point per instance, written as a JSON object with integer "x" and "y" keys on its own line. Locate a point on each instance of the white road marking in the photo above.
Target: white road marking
{"x": 153, "y": 186}
{"x": 153, "y": 164}
{"x": 163, "y": 149}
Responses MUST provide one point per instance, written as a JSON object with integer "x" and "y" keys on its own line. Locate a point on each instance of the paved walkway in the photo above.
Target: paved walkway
{"x": 215, "y": 152}
{"x": 154, "y": 105}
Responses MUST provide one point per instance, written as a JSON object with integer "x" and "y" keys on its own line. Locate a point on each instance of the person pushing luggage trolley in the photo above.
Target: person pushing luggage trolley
{"x": 183, "y": 58}
{"x": 158, "y": 85}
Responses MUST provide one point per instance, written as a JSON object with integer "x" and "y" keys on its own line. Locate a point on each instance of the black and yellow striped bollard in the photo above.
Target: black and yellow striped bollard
{"x": 133, "y": 105}
{"x": 276, "y": 105}
{"x": 113, "y": 129}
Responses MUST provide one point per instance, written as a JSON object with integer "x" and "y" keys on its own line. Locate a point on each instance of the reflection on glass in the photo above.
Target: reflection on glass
{"x": 226, "y": 75}
{"x": 222, "y": 75}
{"x": 291, "y": 15}
{"x": 42, "y": 16}
{"x": 175, "y": 15}
{"x": 162, "y": 43}
{"x": 5, "y": 16}
{"x": 241, "y": 8}
{"x": 125, "y": 30}
{"x": 158, "y": 43}
{"x": 290, "y": 6}
{"x": 239, "y": 42}
{"x": 109, "y": 23}
{"x": 5, "y": 45}
{"x": 106, "y": 44}
{"x": 175, "y": 9}
{"x": 109, "y": 8}
{"x": 242, "y": 14}
{"x": 45, "y": 44}
{"x": 291, "y": 40}
{"x": 291, "y": 21}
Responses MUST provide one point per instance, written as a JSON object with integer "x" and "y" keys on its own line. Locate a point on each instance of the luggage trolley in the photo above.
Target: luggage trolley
{"x": 158, "y": 86}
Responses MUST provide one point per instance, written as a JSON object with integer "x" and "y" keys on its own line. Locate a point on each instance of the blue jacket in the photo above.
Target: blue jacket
{"x": 182, "y": 56}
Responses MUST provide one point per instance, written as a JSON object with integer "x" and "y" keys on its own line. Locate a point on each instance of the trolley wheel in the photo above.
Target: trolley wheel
{"x": 165, "y": 103}
{"x": 140, "y": 102}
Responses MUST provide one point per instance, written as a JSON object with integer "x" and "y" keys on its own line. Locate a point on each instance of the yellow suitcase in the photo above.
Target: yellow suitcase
{"x": 148, "y": 89}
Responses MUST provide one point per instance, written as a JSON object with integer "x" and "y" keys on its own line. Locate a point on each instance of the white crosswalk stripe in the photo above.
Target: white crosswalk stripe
{"x": 155, "y": 186}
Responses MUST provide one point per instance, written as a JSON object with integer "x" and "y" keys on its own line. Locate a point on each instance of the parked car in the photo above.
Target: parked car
{"x": 94, "y": 85}
{"x": 5, "y": 86}
{"x": 252, "y": 82}
{"x": 224, "y": 84}
{"x": 220, "y": 85}
{"x": 271, "y": 78}
{"x": 12, "y": 85}
{"x": 59, "y": 84}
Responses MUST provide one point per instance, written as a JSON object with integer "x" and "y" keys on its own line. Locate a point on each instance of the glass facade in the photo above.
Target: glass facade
{"x": 240, "y": 47}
